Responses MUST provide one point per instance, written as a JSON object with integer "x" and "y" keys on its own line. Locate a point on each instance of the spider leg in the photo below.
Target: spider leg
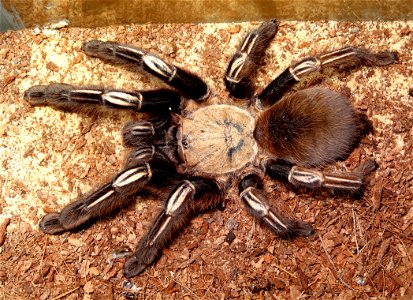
{"x": 71, "y": 98}
{"x": 344, "y": 57}
{"x": 136, "y": 132}
{"x": 253, "y": 197}
{"x": 187, "y": 199}
{"x": 351, "y": 182}
{"x": 140, "y": 167}
{"x": 187, "y": 83}
{"x": 248, "y": 56}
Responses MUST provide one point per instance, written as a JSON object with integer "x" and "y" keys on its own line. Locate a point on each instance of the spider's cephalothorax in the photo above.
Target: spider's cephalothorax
{"x": 191, "y": 158}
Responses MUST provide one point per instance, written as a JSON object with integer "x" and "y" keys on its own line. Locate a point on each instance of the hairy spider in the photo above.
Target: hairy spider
{"x": 191, "y": 158}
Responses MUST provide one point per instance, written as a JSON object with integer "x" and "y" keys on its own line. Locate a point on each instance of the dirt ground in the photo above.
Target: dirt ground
{"x": 363, "y": 249}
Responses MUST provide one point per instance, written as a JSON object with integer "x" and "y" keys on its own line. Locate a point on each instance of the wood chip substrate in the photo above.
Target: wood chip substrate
{"x": 362, "y": 248}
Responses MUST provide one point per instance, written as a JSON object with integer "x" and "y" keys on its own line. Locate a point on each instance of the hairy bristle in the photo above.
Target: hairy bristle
{"x": 309, "y": 127}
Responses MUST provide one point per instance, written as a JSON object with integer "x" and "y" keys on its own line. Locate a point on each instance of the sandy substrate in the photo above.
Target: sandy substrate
{"x": 362, "y": 248}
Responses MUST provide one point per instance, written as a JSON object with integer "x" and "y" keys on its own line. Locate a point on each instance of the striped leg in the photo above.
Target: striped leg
{"x": 247, "y": 58}
{"x": 136, "y": 132}
{"x": 252, "y": 195}
{"x": 187, "y": 199}
{"x": 352, "y": 182}
{"x": 71, "y": 98}
{"x": 141, "y": 166}
{"x": 187, "y": 83}
{"x": 345, "y": 57}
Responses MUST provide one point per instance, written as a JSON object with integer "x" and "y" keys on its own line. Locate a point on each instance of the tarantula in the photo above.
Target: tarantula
{"x": 191, "y": 158}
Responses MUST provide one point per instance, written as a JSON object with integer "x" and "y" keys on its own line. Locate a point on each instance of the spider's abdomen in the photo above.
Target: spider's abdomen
{"x": 309, "y": 127}
{"x": 218, "y": 139}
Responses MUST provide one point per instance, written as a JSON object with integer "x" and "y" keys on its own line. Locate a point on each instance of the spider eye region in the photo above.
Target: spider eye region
{"x": 218, "y": 139}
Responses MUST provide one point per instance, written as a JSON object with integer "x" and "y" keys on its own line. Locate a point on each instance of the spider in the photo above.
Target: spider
{"x": 192, "y": 158}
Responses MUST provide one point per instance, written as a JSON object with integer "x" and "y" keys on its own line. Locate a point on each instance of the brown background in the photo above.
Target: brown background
{"x": 362, "y": 249}
{"x": 91, "y": 13}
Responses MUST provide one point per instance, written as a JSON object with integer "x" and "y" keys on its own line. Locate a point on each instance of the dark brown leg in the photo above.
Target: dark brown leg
{"x": 253, "y": 197}
{"x": 345, "y": 57}
{"x": 247, "y": 58}
{"x": 187, "y": 83}
{"x": 189, "y": 198}
{"x": 351, "y": 182}
{"x": 71, "y": 98}
{"x": 142, "y": 166}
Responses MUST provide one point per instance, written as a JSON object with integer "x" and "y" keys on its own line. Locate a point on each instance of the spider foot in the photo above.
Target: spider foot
{"x": 142, "y": 259}
{"x": 50, "y": 224}
{"x": 287, "y": 228}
